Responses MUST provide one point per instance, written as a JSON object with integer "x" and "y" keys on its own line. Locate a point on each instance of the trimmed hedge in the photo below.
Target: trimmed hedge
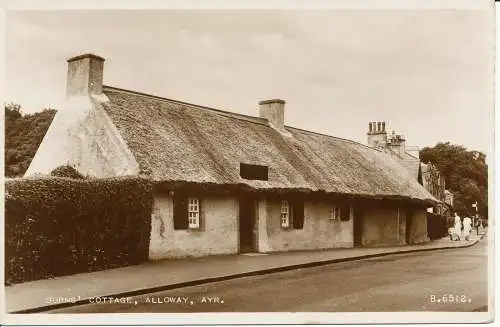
{"x": 437, "y": 226}
{"x": 59, "y": 226}
{"x": 66, "y": 171}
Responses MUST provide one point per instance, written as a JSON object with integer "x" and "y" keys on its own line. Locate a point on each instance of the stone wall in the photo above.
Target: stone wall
{"x": 418, "y": 230}
{"x": 383, "y": 226}
{"x": 319, "y": 232}
{"x": 218, "y": 233}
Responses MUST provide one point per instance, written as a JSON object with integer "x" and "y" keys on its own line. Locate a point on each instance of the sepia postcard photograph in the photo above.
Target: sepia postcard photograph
{"x": 320, "y": 163}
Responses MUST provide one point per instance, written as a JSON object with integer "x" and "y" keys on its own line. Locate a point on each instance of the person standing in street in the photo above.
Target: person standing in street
{"x": 467, "y": 227}
{"x": 458, "y": 226}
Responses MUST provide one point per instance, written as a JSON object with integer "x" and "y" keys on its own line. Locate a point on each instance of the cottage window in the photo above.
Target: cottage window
{"x": 194, "y": 213}
{"x": 187, "y": 212}
{"x": 292, "y": 214}
{"x": 335, "y": 213}
{"x": 285, "y": 214}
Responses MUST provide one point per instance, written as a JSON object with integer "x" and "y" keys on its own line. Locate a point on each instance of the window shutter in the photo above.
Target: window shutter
{"x": 180, "y": 212}
{"x": 298, "y": 214}
{"x": 345, "y": 213}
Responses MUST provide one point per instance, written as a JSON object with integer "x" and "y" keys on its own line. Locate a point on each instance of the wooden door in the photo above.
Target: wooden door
{"x": 247, "y": 213}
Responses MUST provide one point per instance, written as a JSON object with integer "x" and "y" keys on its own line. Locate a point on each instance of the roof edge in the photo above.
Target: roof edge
{"x": 252, "y": 119}
{"x": 334, "y": 137}
{"x": 232, "y": 187}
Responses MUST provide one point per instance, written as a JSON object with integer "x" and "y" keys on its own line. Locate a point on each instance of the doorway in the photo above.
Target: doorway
{"x": 409, "y": 222}
{"x": 358, "y": 223}
{"x": 247, "y": 226}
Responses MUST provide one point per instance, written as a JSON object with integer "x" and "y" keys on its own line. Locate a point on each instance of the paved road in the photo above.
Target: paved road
{"x": 413, "y": 282}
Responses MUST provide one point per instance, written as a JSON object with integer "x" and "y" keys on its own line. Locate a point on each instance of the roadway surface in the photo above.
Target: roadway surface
{"x": 442, "y": 280}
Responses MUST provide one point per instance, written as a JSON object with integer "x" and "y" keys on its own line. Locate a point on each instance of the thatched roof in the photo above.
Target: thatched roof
{"x": 412, "y": 166}
{"x": 175, "y": 141}
{"x": 407, "y": 160}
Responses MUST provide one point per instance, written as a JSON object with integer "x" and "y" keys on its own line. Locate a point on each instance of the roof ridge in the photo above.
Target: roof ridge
{"x": 334, "y": 137}
{"x": 252, "y": 119}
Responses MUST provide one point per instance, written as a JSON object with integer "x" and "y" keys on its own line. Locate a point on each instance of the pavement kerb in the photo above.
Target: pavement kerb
{"x": 235, "y": 276}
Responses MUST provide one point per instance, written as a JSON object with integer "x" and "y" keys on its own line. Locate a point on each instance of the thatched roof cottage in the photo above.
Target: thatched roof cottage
{"x": 229, "y": 183}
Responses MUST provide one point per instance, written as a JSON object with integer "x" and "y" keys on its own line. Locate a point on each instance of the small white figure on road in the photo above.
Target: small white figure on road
{"x": 458, "y": 226}
{"x": 467, "y": 227}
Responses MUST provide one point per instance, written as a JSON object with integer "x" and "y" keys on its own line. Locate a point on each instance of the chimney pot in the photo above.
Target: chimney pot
{"x": 274, "y": 111}
{"x": 369, "y": 127}
{"x": 85, "y": 75}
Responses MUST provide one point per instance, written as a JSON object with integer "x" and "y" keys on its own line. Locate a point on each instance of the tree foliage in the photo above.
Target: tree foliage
{"x": 465, "y": 173}
{"x": 23, "y": 135}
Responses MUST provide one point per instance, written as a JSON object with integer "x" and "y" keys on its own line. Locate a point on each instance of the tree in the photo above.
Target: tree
{"x": 23, "y": 135}
{"x": 465, "y": 173}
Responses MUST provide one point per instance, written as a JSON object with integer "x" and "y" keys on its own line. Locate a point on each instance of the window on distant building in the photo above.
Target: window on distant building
{"x": 187, "y": 212}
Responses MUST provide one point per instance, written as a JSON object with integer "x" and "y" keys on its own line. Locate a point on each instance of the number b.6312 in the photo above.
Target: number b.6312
{"x": 449, "y": 298}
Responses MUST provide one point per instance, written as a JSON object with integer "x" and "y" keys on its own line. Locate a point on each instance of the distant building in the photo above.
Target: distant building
{"x": 427, "y": 174}
{"x": 448, "y": 196}
{"x": 434, "y": 182}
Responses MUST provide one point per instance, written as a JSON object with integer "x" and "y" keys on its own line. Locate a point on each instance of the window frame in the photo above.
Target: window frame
{"x": 295, "y": 220}
{"x": 194, "y": 208}
{"x": 335, "y": 213}
{"x": 185, "y": 210}
{"x": 340, "y": 212}
{"x": 288, "y": 212}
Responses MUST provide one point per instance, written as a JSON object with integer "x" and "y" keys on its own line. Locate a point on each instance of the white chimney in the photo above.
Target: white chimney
{"x": 85, "y": 75}
{"x": 274, "y": 111}
{"x": 377, "y": 135}
{"x": 397, "y": 143}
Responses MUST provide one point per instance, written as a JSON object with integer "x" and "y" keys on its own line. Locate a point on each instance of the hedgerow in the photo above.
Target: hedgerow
{"x": 436, "y": 226}
{"x": 66, "y": 171}
{"x": 59, "y": 226}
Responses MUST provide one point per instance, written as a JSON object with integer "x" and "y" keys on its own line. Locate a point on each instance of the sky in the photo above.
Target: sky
{"x": 427, "y": 73}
